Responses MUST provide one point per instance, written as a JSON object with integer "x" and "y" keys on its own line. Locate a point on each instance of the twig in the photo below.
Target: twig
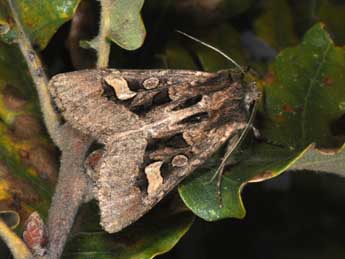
{"x": 70, "y": 191}
{"x": 72, "y": 185}
{"x": 103, "y": 44}
{"x": 39, "y": 77}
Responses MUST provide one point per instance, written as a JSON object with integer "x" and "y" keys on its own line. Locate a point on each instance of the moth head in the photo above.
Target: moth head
{"x": 237, "y": 74}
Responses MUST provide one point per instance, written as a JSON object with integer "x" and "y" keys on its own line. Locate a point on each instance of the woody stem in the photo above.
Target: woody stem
{"x": 103, "y": 44}
{"x": 39, "y": 77}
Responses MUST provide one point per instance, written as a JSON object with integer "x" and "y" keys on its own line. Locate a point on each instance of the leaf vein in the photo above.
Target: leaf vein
{"x": 310, "y": 86}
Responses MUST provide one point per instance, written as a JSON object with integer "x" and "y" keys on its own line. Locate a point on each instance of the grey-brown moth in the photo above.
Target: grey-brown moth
{"x": 152, "y": 127}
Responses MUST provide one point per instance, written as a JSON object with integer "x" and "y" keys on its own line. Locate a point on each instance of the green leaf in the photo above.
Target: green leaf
{"x": 154, "y": 234}
{"x": 126, "y": 27}
{"x": 305, "y": 89}
{"x": 328, "y": 12}
{"x": 303, "y": 96}
{"x": 258, "y": 163}
{"x": 322, "y": 161}
{"x": 40, "y": 18}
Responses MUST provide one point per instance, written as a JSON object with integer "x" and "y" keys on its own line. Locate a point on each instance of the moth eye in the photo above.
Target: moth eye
{"x": 195, "y": 118}
{"x": 179, "y": 161}
{"x": 120, "y": 86}
{"x": 151, "y": 83}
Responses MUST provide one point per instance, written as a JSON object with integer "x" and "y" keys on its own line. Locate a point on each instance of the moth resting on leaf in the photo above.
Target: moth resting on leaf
{"x": 153, "y": 127}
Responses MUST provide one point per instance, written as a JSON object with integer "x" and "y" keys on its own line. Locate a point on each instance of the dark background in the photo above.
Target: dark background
{"x": 297, "y": 215}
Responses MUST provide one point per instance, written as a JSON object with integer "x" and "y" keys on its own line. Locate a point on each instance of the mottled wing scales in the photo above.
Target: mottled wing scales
{"x": 80, "y": 98}
{"x": 120, "y": 199}
{"x": 157, "y": 127}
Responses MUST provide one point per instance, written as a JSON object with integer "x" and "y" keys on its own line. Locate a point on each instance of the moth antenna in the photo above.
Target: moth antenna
{"x": 213, "y": 48}
{"x": 220, "y": 170}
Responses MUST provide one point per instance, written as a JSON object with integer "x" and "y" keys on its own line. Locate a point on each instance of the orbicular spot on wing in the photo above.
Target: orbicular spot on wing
{"x": 179, "y": 161}
{"x": 151, "y": 83}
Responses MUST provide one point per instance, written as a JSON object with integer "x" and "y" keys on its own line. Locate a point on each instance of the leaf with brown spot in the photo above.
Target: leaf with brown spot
{"x": 40, "y": 19}
{"x": 289, "y": 130}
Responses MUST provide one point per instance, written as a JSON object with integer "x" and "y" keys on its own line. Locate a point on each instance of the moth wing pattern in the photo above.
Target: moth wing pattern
{"x": 120, "y": 198}
{"x": 78, "y": 95}
{"x": 157, "y": 126}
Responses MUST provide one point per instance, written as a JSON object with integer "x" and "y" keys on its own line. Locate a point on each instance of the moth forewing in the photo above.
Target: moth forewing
{"x": 157, "y": 126}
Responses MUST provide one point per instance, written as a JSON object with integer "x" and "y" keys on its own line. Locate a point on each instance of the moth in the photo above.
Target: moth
{"x": 151, "y": 129}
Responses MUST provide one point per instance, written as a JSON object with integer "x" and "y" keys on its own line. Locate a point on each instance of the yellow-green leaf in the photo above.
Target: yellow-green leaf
{"x": 40, "y": 18}
{"x": 28, "y": 167}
